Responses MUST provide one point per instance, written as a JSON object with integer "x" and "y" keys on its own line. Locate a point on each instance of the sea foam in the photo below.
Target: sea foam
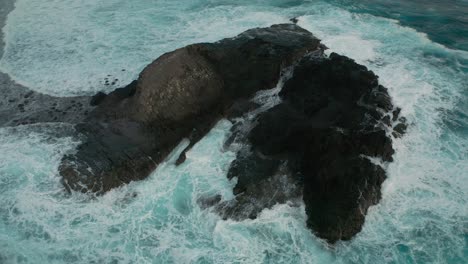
{"x": 73, "y": 47}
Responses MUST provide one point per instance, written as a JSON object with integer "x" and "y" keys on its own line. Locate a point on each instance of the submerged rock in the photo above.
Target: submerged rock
{"x": 180, "y": 95}
{"x": 21, "y": 106}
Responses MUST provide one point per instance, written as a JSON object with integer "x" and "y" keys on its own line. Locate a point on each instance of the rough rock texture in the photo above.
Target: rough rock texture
{"x": 180, "y": 95}
{"x": 325, "y": 136}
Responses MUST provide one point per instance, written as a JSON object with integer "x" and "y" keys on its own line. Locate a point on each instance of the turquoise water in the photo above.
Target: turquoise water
{"x": 68, "y": 47}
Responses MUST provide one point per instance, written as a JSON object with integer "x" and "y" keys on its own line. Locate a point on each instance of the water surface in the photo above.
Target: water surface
{"x": 68, "y": 47}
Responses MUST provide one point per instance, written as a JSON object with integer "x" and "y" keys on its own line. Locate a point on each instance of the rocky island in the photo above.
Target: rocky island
{"x": 322, "y": 142}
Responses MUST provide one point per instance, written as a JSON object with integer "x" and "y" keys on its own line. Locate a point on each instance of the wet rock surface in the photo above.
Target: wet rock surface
{"x": 21, "y": 106}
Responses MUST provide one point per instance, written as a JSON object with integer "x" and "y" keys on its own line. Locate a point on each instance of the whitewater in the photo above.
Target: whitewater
{"x": 68, "y": 47}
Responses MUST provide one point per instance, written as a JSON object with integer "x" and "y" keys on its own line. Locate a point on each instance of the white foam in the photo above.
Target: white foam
{"x": 70, "y": 47}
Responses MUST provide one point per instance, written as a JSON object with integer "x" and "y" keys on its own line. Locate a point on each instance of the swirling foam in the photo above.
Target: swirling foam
{"x": 158, "y": 219}
{"x": 70, "y": 47}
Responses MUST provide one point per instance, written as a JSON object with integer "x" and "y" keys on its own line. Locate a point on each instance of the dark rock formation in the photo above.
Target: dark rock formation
{"x": 322, "y": 144}
{"x": 333, "y": 121}
{"x": 180, "y": 95}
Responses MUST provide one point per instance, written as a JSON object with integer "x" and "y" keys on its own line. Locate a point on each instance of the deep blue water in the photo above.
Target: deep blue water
{"x": 445, "y": 21}
{"x": 418, "y": 48}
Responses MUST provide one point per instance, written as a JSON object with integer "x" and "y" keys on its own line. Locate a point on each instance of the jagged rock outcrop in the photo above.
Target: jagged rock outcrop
{"x": 332, "y": 125}
{"x": 180, "y": 95}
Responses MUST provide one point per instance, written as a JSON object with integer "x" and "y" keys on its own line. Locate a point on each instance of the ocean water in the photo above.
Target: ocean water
{"x": 68, "y": 47}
